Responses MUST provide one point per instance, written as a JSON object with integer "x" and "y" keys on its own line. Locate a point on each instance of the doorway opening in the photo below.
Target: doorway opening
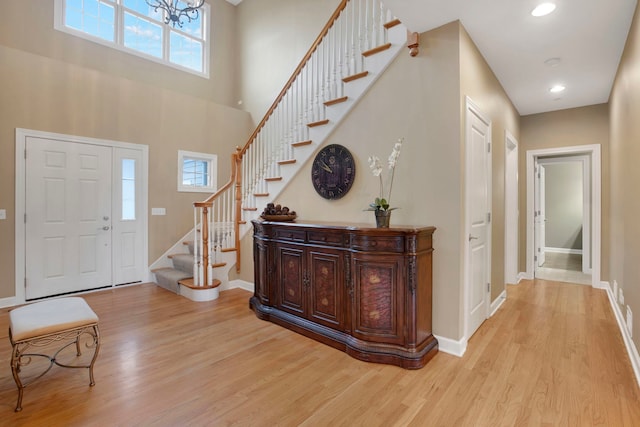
{"x": 563, "y": 214}
{"x": 562, "y": 219}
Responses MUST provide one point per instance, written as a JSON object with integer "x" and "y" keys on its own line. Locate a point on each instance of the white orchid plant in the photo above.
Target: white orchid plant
{"x": 382, "y": 203}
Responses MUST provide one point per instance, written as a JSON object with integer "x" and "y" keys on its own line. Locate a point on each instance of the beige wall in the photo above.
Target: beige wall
{"x": 565, "y": 128}
{"x": 624, "y": 112}
{"x": 478, "y": 82}
{"x": 273, "y": 37}
{"x": 54, "y": 82}
{"x": 564, "y": 205}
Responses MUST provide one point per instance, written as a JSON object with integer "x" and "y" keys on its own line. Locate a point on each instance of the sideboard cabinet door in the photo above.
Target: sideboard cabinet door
{"x": 326, "y": 288}
{"x": 378, "y": 303}
{"x": 290, "y": 261}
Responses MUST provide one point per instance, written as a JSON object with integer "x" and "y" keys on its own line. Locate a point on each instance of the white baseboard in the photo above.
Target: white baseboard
{"x": 564, "y": 251}
{"x": 602, "y": 285}
{"x": 497, "y": 303}
{"x": 628, "y": 342}
{"x": 449, "y": 346}
{"x": 8, "y": 302}
{"x": 242, "y": 284}
{"x": 524, "y": 276}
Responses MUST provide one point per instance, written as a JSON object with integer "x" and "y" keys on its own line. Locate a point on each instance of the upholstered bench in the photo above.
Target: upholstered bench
{"x": 57, "y": 324}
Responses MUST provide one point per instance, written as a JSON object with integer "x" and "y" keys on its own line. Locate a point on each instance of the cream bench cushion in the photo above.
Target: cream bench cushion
{"x": 47, "y": 317}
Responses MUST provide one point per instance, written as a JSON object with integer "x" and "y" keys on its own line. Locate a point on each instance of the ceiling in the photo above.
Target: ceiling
{"x": 588, "y": 37}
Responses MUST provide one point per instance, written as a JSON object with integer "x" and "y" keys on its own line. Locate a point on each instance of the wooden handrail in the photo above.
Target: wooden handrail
{"x": 295, "y": 74}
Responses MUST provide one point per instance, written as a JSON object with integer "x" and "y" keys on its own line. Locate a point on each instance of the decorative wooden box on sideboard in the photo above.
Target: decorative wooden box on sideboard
{"x": 363, "y": 290}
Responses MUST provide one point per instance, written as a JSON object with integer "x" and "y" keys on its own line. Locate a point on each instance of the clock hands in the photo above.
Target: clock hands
{"x": 325, "y": 167}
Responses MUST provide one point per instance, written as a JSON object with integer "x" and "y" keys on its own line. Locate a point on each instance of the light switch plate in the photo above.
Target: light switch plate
{"x": 3, "y": 214}
{"x": 158, "y": 211}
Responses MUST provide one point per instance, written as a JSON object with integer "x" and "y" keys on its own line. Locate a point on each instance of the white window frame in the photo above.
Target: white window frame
{"x": 212, "y": 161}
{"x": 118, "y": 43}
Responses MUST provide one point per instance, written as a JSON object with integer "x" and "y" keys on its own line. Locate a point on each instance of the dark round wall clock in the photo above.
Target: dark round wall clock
{"x": 333, "y": 171}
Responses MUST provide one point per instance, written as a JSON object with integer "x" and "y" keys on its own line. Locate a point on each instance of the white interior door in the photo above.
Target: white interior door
{"x": 540, "y": 215}
{"x": 68, "y": 217}
{"x": 478, "y": 200}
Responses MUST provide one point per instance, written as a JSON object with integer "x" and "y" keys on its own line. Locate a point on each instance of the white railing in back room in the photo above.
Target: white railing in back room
{"x": 355, "y": 27}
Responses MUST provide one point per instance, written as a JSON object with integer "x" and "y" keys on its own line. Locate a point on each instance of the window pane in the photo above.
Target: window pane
{"x": 193, "y": 27}
{"x": 144, "y": 9}
{"x": 195, "y": 173}
{"x": 128, "y": 169}
{"x": 93, "y": 17}
{"x": 128, "y": 189}
{"x": 142, "y": 35}
{"x": 185, "y": 51}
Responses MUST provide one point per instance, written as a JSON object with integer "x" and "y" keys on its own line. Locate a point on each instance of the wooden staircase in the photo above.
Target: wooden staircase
{"x": 360, "y": 40}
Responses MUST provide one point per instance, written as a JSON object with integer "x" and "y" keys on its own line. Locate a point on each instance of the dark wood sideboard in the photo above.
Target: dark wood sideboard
{"x": 363, "y": 290}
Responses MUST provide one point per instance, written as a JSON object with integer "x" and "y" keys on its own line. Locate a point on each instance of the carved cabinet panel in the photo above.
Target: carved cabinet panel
{"x": 366, "y": 291}
{"x": 326, "y": 288}
{"x": 310, "y": 284}
{"x": 378, "y": 302}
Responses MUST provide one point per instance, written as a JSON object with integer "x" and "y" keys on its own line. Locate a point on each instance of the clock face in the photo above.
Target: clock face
{"x": 333, "y": 171}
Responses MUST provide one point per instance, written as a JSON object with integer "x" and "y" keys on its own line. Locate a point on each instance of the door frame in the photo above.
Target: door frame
{"x": 511, "y": 212}
{"x": 539, "y": 214}
{"x": 593, "y": 152}
{"x": 20, "y": 198}
{"x": 586, "y": 202}
{"x": 472, "y": 108}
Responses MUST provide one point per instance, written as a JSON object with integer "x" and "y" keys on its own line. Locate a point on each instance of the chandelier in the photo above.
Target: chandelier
{"x": 176, "y": 11}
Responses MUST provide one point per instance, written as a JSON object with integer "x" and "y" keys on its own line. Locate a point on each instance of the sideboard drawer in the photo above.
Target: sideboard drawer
{"x": 290, "y": 235}
{"x": 329, "y": 239}
{"x": 378, "y": 243}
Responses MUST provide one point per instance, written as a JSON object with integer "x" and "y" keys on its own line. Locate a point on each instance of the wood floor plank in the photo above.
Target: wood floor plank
{"x": 552, "y": 355}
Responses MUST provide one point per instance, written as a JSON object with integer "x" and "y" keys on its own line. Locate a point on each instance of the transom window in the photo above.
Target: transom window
{"x": 136, "y": 27}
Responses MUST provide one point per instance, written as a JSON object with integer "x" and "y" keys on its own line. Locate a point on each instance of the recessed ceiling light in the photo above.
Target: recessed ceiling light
{"x": 543, "y": 9}
{"x": 557, "y": 89}
{"x": 553, "y": 62}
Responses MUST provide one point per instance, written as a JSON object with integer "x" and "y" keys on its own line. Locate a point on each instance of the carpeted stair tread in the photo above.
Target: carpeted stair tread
{"x": 168, "y": 278}
{"x": 183, "y": 262}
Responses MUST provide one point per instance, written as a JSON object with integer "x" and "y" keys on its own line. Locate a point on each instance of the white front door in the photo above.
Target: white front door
{"x": 540, "y": 215}
{"x": 478, "y": 200}
{"x": 68, "y": 217}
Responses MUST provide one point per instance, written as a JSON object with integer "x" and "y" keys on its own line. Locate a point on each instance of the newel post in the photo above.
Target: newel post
{"x": 204, "y": 225}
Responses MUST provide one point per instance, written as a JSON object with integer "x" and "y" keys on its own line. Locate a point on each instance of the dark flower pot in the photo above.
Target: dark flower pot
{"x": 382, "y": 218}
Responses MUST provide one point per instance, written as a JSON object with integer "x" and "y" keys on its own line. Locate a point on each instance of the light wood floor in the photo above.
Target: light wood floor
{"x": 551, "y": 356}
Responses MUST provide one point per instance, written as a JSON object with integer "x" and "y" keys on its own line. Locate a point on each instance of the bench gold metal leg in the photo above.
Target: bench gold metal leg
{"x": 19, "y": 357}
